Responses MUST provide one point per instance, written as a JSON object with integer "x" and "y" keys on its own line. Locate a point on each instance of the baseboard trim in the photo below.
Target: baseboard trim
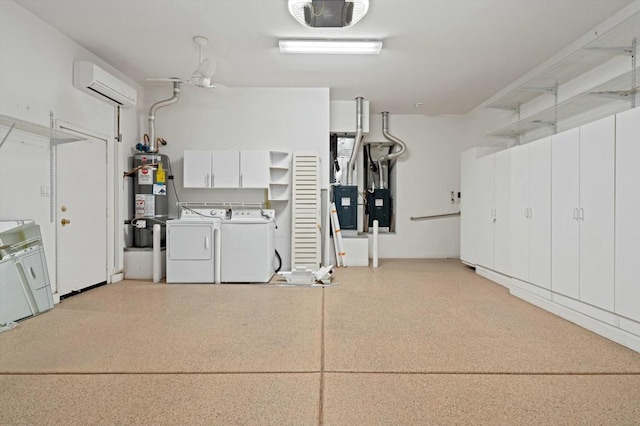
{"x": 610, "y": 332}
{"x": 494, "y": 276}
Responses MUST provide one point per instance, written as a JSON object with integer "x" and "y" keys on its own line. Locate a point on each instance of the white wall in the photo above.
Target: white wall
{"x": 285, "y": 119}
{"x": 36, "y": 67}
{"x": 424, "y": 179}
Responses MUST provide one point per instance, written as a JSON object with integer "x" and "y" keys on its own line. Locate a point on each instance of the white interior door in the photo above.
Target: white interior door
{"x": 597, "y": 177}
{"x": 468, "y": 206}
{"x": 565, "y": 237}
{"x": 81, "y": 215}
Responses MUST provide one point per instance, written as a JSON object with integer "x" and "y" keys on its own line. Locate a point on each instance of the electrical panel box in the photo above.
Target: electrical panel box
{"x": 379, "y": 207}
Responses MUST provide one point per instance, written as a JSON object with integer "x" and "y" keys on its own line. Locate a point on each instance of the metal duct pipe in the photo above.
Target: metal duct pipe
{"x": 351, "y": 164}
{"x": 152, "y": 115}
{"x": 392, "y": 155}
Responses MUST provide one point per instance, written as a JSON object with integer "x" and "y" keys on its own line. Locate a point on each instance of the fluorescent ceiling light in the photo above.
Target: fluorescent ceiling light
{"x": 332, "y": 47}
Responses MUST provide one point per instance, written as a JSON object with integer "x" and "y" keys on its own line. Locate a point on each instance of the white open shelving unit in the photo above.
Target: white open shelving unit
{"x": 615, "y": 95}
{"x": 279, "y": 175}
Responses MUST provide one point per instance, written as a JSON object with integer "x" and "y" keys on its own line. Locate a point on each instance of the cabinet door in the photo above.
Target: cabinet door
{"x": 627, "y": 255}
{"x": 519, "y": 212}
{"x": 502, "y": 211}
{"x": 565, "y": 242}
{"x": 197, "y": 169}
{"x": 468, "y": 206}
{"x": 254, "y": 169}
{"x": 226, "y": 169}
{"x": 597, "y": 177}
{"x": 540, "y": 213}
{"x": 484, "y": 254}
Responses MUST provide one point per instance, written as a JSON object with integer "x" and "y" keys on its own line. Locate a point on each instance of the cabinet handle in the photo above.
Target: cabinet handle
{"x": 206, "y": 243}
{"x": 206, "y": 180}
{"x": 240, "y": 180}
{"x": 526, "y": 212}
{"x": 33, "y": 273}
{"x": 581, "y": 214}
{"x": 530, "y": 213}
{"x": 213, "y": 180}
{"x": 575, "y": 213}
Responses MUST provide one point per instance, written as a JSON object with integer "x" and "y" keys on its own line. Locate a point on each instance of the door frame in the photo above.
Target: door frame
{"x": 109, "y": 201}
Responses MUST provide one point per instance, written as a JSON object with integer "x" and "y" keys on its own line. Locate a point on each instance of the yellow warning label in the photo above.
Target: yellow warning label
{"x": 160, "y": 178}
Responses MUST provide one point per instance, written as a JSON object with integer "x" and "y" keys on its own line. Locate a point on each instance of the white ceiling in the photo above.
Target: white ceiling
{"x": 449, "y": 54}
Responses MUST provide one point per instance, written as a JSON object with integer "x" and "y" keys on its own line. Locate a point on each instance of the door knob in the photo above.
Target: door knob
{"x": 65, "y": 222}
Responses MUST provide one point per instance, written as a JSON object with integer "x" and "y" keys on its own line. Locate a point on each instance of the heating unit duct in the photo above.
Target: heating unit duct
{"x": 379, "y": 200}
{"x": 346, "y": 196}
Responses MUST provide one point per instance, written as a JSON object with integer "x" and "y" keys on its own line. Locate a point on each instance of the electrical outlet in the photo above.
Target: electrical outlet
{"x": 44, "y": 191}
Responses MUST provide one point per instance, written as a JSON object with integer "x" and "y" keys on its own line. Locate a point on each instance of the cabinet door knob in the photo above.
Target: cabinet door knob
{"x": 65, "y": 222}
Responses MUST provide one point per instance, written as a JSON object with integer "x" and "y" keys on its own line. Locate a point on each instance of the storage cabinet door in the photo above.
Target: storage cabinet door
{"x": 226, "y": 169}
{"x": 627, "y": 255}
{"x": 197, "y": 169}
{"x": 597, "y": 176}
{"x": 468, "y": 206}
{"x": 484, "y": 254}
{"x": 502, "y": 195}
{"x": 519, "y": 212}
{"x": 540, "y": 213}
{"x": 565, "y": 242}
{"x": 254, "y": 169}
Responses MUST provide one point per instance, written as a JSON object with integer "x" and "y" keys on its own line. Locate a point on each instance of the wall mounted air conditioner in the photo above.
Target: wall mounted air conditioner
{"x": 99, "y": 83}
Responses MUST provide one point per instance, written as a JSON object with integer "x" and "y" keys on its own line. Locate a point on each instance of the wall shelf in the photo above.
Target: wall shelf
{"x": 613, "y": 96}
{"x": 615, "y": 93}
{"x": 279, "y": 175}
{"x": 55, "y": 137}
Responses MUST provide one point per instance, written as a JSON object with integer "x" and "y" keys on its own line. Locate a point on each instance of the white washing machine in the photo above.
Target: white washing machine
{"x": 248, "y": 246}
{"x": 190, "y": 245}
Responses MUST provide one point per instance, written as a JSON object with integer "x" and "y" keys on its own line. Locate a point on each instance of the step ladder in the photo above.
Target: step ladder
{"x": 338, "y": 244}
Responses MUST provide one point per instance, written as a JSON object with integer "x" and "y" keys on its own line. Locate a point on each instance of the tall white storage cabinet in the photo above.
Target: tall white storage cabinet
{"x": 627, "y": 254}
{"x": 583, "y": 213}
{"x": 494, "y": 183}
{"x": 468, "y": 206}
{"x": 531, "y": 213}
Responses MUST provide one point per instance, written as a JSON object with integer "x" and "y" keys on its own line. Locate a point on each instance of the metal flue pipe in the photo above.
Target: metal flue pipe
{"x": 392, "y": 155}
{"x": 152, "y": 115}
{"x": 351, "y": 164}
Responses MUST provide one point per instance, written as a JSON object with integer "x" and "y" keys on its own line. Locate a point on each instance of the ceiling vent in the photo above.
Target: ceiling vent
{"x": 328, "y": 13}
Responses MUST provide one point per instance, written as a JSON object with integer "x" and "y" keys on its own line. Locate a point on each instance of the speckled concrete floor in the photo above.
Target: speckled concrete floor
{"x": 412, "y": 342}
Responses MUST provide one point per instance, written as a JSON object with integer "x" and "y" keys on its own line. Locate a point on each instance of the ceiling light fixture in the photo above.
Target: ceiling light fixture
{"x": 332, "y": 47}
{"x": 328, "y": 13}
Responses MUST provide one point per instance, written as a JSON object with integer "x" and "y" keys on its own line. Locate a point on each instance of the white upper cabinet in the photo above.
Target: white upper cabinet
{"x": 197, "y": 169}
{"x": 226, "y": 169}
{"x": 627, "y": 251}
{"x": 254, "y": 169}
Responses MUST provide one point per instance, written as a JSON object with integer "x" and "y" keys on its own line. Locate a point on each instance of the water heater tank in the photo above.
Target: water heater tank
{"x": 150, "y": 196}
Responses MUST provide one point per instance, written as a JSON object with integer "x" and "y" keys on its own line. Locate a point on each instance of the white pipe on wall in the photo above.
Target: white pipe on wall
{"x": 217, "y": 256}
{"x": 375, "y": 243}
{"x": 157, "y": 253}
